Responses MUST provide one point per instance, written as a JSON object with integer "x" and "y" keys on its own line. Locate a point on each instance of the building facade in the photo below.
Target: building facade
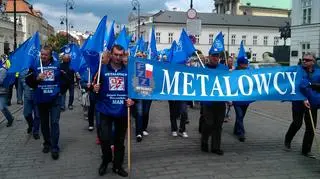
{"x": 260, "y": 34}
{"x": 31, "y": 19}
{"x": 305, "y": 29}
{"x": 6, "y": 35}
{"x": 276, "y": 8}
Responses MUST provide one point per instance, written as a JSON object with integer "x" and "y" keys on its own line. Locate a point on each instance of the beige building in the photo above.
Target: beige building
{"x": 275, "y": 8}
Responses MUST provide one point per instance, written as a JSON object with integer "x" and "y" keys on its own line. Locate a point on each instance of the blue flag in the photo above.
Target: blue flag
{"x": 96, "y": 42}
{"x": 122, "y": 39}
{"x": 55, "y": 56}
{"x": 77, "y": 59}
{"x": 170, "y": 55}
{"x": 129, "y": 38}
{"x": 186, "y": 44}
{"x": 85, "y": 43}
{"x": 242, "y": 56}
{"x": 105, "y": 42}
{"x": 152, "y": 49}
{"x": 141, "y": 45}
{"x": 91, "y": 60}
{"x": 111, "y": 37}
{"x": 25, "y": 56}
{"x": 217, "y": 45}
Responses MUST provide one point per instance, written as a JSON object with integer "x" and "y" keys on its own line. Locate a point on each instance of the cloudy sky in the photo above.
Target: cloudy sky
{"x": 87, "y": 13}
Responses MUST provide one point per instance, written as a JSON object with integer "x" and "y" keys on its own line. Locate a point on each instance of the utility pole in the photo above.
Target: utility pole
{"x": 15, "y": 24}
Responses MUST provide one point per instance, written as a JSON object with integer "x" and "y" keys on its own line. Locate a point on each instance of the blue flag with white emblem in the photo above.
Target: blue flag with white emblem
{"x": 217, "y": 45}
{"x": 152, "y": 49}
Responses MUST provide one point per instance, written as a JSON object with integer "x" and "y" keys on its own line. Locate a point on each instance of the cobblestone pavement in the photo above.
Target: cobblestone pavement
{"x": 160, "y": 155}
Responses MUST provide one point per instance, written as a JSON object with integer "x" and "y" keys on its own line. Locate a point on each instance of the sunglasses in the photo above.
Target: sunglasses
{"x": 307, "y": 60}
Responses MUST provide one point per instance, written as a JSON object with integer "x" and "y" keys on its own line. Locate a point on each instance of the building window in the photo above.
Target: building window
{"x": 305, "y": 48}
{"x": 210, "y": 38}
{"x": 197, "y": 39}
{"x": 170, "y": 40}
{"x": 306, "y": 8}
{"x": 254, "y": 57}
{"x": 255, "y": 40}
{"x": 233, "y": 39}
{"x": 265, "y": 40}
{"x": 276, "y": 41}
{"x": 158, "y": 37}
{"x": 244, "y": 39}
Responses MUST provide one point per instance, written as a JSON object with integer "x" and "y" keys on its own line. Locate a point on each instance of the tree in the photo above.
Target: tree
{"x": 57, "y": 41}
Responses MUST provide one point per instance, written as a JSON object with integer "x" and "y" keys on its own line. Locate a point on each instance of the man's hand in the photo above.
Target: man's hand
{"x": 41, "y": 77}
{"x": 96, "y": 88}
{"x": 306, "y": 104}
{"x": 106, "y": 57}
{"x": 88, "y": 85}
{"x": 130, "y": 102}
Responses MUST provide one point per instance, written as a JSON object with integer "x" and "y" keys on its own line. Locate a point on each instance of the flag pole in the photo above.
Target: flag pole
{"x": 129, "y": 141}
{"x": 99, "y": 70}
{"x": 225, "y": 58}
{"x": 41, "y": 67}
{"x": 89, "y": 81}
{"x": 314, "y": 130}
{"x": 199, "y": 59}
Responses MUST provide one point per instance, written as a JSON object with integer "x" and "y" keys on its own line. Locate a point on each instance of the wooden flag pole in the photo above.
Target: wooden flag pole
{"x": 199, "y": 59}
{"x": 41, "y": 67}
{"x": 99, "y": 70}
{"x": 314, "y": 130}
{"x": 129, "y": 141}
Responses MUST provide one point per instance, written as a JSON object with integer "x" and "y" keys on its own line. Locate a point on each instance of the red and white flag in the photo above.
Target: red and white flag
{"x": 149, "y": 70}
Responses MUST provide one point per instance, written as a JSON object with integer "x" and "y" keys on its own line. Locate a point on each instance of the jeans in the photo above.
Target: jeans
{"x": 238, "y": 126}
{"x": 106, "y": 138}
{"x": 11, "y": 90}
{"x": 142, "y": 115}
{"x": 20, "y": 89}
{"x": 49, "y": 117}
{"x": 175, "y": 112}
{"x": 71, "y": 97}
{"x": 298, "y": 116}
{"x": 3, "y": 107}
{"x": 29, "y": 108}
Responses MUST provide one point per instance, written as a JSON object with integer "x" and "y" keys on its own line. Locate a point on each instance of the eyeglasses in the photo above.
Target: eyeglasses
{"x": 307, "y": 60}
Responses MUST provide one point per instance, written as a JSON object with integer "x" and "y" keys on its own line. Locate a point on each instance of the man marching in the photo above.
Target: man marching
{"x": 112, "y": 103}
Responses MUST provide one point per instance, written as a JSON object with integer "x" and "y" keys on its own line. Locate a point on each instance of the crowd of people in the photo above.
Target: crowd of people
{"x": 44, "y": 87}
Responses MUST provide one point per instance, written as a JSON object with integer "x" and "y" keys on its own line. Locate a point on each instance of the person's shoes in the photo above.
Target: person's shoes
{"x": 20, "y": 102}
{"x": 90, "y": 128}
{"x": 174, "y": 134}
{"x": 29, "y": 130}
{"x": 287, "y": 146}
{"x": 120, "y": 172}
{"x": 62, "y": 109}
{"x": 98, "y": 142}
{"x": 217, "y": 151}
{"x": 139, "y": 138}
{"x": 55, "y": 155}
{"x": 70, "y": 107}
{"x": 36, "y": 136}
{"x": 145, "y": 133}
{"x": 204, "y": 147}
{"x": 103, "y": 168}
{"x": 9, "y": 103}
{"x": 183, "y": 134}
{"x": 309, "y": 154}
{"x": 46, "y": 149}
{"x": 242, "y": 139}
{"x": 9, "y": 124}
{"x": 187, "y": 121}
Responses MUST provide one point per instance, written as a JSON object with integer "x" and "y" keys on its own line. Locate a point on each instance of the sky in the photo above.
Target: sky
{"x": 87, "y": 13}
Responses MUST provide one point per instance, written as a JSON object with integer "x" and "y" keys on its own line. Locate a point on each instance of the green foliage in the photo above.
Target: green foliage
{"x": 57, "y": 42}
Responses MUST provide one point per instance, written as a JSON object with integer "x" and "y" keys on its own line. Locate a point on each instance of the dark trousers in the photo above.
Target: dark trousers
{"x": 49, "y": 116}
{"x": 238, "y": 126}
{"x": 142, "y": 108}
{"x": 106, "y": 137}
{"x": 175, "y": 112}
{"x": 71, "y": 97}
{"x": 298, "y": 116}
{"x": 213, "y": 117}
{"x": 92, "y": 108}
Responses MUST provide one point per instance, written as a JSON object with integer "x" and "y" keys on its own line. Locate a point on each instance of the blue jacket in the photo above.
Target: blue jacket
{"x": 218, "y": 67}
{"x": 309, "y": 78}
{"x": 48, "y": 89}
{"x": 113, "y": 91}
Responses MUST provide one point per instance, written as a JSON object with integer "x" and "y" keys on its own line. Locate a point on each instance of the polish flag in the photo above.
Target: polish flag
{"x": 149, "y": 70}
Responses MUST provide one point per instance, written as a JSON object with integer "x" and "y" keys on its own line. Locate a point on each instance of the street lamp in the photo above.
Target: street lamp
{"x": 136, "y": 6}
{"x": 69, "y": 6}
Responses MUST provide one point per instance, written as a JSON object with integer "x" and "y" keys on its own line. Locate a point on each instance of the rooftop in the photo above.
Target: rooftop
{"x": 276, "y": 4}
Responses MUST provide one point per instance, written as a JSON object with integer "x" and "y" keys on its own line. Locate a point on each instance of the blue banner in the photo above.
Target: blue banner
{"x": 163, "y": 81}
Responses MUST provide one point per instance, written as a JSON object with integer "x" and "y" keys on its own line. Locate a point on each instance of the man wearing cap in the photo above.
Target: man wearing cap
{"x": 213, "y": 113}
